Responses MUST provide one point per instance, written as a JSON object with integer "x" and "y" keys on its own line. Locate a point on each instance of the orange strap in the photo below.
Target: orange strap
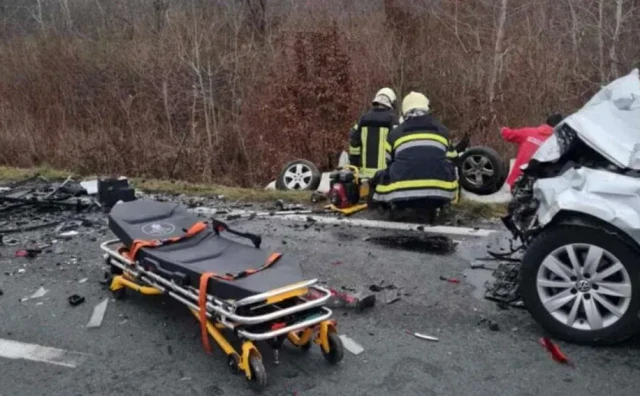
{"x": 202, "y": 305}
{"x": 139, "y": 243}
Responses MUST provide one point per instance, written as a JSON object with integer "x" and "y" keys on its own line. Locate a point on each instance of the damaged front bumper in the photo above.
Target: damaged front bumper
{"x": 598, "y": 194}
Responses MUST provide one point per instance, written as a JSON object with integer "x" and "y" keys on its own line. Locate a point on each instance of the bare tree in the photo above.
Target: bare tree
{"x": 497, "y": 55}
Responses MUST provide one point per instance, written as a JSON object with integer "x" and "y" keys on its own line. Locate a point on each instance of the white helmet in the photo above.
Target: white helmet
{"x": 414, "y": 100}
{"x": 385, "y": 97}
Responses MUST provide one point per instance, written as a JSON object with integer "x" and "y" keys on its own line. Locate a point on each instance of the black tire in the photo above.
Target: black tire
{"x": 233, "y": 362}
{"x": 559, "y": 235}
{"x": 490, "y": 184}
{"x": 311, "y": 183}
{"x": 336, "y": 349}
{"x": 119, "y": 294}
{"x": 258, "y": 379}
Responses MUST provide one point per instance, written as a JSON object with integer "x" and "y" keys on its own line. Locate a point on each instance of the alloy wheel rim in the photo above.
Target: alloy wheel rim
{"x": 298, "y": 177}
{"x": 584, "y": 286}
{"x": 476, "y": 169}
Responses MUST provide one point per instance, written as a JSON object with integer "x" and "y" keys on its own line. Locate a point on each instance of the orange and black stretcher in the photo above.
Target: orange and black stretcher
{"x": 229, "y": 286}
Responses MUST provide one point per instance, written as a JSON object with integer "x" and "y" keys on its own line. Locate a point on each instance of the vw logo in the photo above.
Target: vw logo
{"x": 583, "y": 285}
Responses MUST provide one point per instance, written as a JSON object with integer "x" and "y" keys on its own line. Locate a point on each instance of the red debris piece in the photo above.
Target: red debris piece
{"x": 27, "y": 253}
{"x": 450, "y": 280}
{"x": 336, "y": 263}
{"x": 556, "y": 353}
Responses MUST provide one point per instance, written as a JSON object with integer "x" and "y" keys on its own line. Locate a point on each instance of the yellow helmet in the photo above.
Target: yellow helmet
{"x": 414, "y": 100}
{"x": 385, "y": 93}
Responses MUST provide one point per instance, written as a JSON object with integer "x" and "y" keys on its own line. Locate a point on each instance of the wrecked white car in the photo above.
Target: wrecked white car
{"x": 576, "y": 209}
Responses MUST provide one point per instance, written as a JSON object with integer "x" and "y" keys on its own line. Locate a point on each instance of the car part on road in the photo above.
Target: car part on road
{"x": 298, "y": 175}
{"x": 505, "y": 288}
{"x": 75, "y": 300}
{"x": 423, "y": 336}
{"x": 98, "y": 314}
{"x": 350, "y": 345}
{"x": 482, "y": 171}
{"x": 555, "y": 352}
{"x": 358, "y": 300}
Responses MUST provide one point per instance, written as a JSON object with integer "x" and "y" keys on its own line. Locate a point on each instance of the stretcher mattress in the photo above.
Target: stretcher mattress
{"x": 205, "y": 252}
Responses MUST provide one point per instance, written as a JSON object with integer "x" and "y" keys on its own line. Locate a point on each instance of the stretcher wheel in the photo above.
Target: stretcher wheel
{"x": 336, "y": 349}
{"x": 233, "y": 361}
{"x": 119, "y": 294}
{"x": 258, "y": 379}
{"x": 306, "y": 347}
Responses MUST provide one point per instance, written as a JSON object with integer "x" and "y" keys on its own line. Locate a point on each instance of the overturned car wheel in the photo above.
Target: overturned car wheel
{"x": 582, "y": 285}
{"x": 482, "y": 171}
{"x": 298, "y": 175}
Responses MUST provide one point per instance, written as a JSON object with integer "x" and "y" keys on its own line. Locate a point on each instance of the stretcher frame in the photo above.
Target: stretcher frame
{"x": 222, "y": 314}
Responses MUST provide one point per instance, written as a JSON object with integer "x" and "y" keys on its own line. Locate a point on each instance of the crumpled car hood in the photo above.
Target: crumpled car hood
{"x": 610, "y": 122}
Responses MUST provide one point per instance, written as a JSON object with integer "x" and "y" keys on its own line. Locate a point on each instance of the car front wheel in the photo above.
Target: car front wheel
{"x": 582, "y": 285}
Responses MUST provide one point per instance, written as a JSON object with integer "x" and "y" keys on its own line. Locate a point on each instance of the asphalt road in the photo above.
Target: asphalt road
{"x": 151, "y": 345}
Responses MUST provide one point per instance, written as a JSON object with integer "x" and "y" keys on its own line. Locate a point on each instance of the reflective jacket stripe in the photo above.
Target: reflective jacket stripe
{"x": 382, "y": 139}
{"x": 416, "y": 184}
{"x": 421, "y": 136}
{"x": 355, "y": 150}
{"x": 421, "y": 143}
{"x": 365, "y": 135}
{"x": 420, "y": 193}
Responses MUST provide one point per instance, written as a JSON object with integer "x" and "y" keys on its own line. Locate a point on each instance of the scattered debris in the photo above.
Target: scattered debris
{"x": 337, "y": 262}
{"x": 68, "y": 234}
{"x": 506, "y": 287}
{"x": 22, "y": 271}
{"x": 9, "y": 241}
{"x": 435, "y": 244}
{"x": 98, "y": 314}
{"x": 280, "y": 206}
{"x": 30, "y": 253}
{"x": 391, "y": 296}
{"x": 41, "y": 292}
{"x": 556, "y": 353}
{"x": 493, "y": 326}
{"x": 90, "y": 186}
{"x": 381, "y": 287}
{"x": 1, "y": 292}
{"x": 351, "y": 346}
{"x": 450, "y": 280}
{"x": 75, "y": 300}
{"x": 423, "y": 336}
{"x": 358, "y": 300}
{"x": 83, "y": 280}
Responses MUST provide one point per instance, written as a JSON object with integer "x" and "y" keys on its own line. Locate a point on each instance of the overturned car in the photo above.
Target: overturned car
{"x": 576, "y": 211}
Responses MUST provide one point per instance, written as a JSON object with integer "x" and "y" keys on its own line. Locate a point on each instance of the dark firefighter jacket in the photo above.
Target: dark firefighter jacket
{"x": 367, "y": 140}
{"x": 417, "y": 155}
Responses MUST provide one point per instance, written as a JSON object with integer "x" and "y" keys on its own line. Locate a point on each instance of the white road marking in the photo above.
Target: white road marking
{"x": 303, "y": 216}
{"x": 19, "y": 350}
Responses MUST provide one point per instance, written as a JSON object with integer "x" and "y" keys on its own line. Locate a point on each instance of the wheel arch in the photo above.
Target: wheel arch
{"x": 569, "y": 217}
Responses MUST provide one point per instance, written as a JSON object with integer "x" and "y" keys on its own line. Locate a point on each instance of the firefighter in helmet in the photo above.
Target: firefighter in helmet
{"x": 368, "y": 136}
{"x": 419, "y": 172}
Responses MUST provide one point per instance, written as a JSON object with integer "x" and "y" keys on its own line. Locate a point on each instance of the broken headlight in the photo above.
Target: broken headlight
{"x": 556, "y": 145}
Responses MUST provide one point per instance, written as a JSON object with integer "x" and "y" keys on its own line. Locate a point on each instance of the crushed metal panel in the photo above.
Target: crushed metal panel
{"x": 610, "y": 122}
{"x": 611, "y": 197}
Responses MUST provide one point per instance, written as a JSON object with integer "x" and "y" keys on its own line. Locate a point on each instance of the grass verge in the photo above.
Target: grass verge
{"x": 465, "y": 209}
